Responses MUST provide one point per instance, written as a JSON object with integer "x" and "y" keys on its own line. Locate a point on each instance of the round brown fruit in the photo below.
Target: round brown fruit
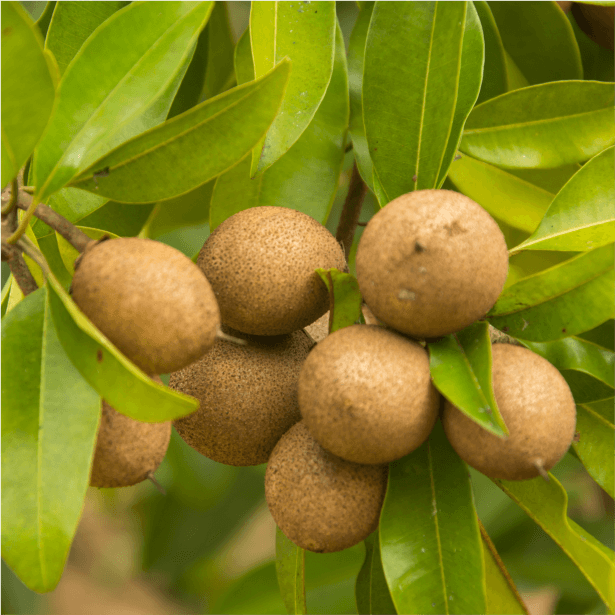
{"x": 261, "y": 263}
{"x": 150, "y": 300}
{"x": 538, "y": 409}
{"x": 321, "y": 502}
{"x": 366, "y": 394}
{"x": 127, "y": 451}
{"x": 247, "y": 395}
{"x": 431, "y": 262}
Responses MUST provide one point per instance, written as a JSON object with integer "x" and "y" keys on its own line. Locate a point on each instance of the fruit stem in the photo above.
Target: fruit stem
{"x": 150, "y": 476}
{"x": 229, "y": 338}
{"x": 22, "y": 274}
{"x": 351, "y": 211}
{"x": 537, "y": 463}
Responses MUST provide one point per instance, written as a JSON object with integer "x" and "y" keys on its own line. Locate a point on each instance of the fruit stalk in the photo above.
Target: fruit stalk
{"x": 351, "y": 211}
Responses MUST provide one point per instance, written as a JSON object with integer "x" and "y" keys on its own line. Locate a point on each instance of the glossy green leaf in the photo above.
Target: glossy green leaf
{"x": 305, "y": 33}
{"x": 45, "y": 18}
{"x": 495, "y": 72}
{"x": 218, "y": 132}
{"x": 429, "y": 537}
{"x": 220, "y": 52}
{"x": 371, "y": 590}
{"x": 579, "y": 355}
{"x": 414, "y": 111}
{"x": 242, "y": 59}
{"x": 460, "y": 366}
{"x": 49, "y": 247}
{"x": 27, "y": 89}
{"x": 110, "y": 373}
{"x": 595, "y": 446}
{"x": 306, "y": 177}
{"x": 146, "y": 47}
{"x": 290, "y": 568}
{"x": 72, "y": 23}
{"x": 581, "y": 217}
{"x": 603, "y": 335}
{"x": 517, "y": 202}
{"x": 69, "y": 254}
{"x": 502, "y": 597}
{"x": 547, "y": 503}
{"x": 49, "y": 422}
{"x": 344, "y": 298}
{"x": 567, "y": 299}
{"x": 542, "y": 126}
{"x": 540, "y": 40}
{"x": 598, "y": 62}
{"x": 356, "y": 56}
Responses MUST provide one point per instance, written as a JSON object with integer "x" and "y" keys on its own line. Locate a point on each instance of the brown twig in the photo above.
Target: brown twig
{"x": 21, "y": 273}
{"x": 77, "y": 238}
{"x": 351, "y": 211}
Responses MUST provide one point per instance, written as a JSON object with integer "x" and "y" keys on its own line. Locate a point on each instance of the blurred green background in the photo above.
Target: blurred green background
{"x": 208, "y": 545}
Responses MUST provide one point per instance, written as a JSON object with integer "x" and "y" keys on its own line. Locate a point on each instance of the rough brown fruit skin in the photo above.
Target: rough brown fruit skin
{"x": 537, "y": 407}
{"x": 149, "y": 299}
{"x": 321, "y": 502}
{"x": 431, "y": 262}
{"x": 366, "y": 394}
{"x": 261, "y": 263}
{"x": 127, "y": 450}
{"x": 248, "y": 396}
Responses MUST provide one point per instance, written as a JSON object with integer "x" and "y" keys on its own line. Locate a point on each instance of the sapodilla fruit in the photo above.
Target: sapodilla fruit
{"x": 127, "y": 451}
{"x": 431, "y": 262}
{"x": 261, "y": 264}
{"x": 152, "y": 302}
{"x": 247, "y": 395}
{"x": 366, "y": 395}
{"x": 319, "y": 501}
{"x": 538, "y": 409}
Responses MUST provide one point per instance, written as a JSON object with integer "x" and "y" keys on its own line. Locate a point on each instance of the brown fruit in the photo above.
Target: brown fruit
{"x": 248, "y": 396}
{"x": 538, "y": 409}
{"x": 127, "y": 451}
{"x": 366, "y": 394}
{"x": 321, "y": 502}
{"x": 431, "y": 262}
{"x": 151, "y": 301}
{"x": 261, "y": 263}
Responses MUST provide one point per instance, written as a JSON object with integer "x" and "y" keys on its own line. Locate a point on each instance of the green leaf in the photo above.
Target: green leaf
{"x": 603, "y": 335}
{"x": 220, "y": 52}
{"x": 242, "y": 60}
{"x": 51, "y": 252}
{"x": 146, "y": 47}
{"x": 49, "y": 423}
{"x": 27, "y": 89}
{"x": 218, "y": 133}
{"x": 460, "y": 366}
{"x": 305, "y": 33}
{"x": 573, "y": 353}
{"x": 540, "y": 40}
{"x": 502, "y": 596}
{"x": 581, "y": 215}
{"x": 356, "y": 56}
{"x": 414, "y": 112}
{"x": 598, "y": 62}
{"x": 290, "y": 568}
{"x": 372, "y": 592}
{"x": 507, "y": 197}
{"x": 72, "y": 23}
{"x": 45, "y": 18}
{"x": 429, "y": 537}
{"x": 567, "y": 299}
{"x": 344, "y": 298}
{"x": 542, "y": 126}
{"x": 306, "y": 177}
{"x": 595, "y": 445}
{"x": 111, "y": 374}
{"x": 495, "y": 72}
{"x": 6, "y": 289}
{"x": 547, "y": 503}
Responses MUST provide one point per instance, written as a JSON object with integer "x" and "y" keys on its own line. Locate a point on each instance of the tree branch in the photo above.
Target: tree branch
{"x": 15, "y": 260}
{"x": 351, "y": 211}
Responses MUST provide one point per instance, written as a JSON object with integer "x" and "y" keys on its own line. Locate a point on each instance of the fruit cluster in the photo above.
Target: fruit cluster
{"x": 327, "y": 417}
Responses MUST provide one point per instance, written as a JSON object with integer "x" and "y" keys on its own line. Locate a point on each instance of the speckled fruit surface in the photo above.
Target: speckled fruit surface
{"x": 321, "y": 502}
{"x": 431, "y": 262}
{"x": 248, "y": 396}
{"x": 261, "y": 263}
{"x": 537, "y": 407}
{"x": 127, "y": 450}
{"x": 149, "y": 299}
{"x": 366, "y": 395}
